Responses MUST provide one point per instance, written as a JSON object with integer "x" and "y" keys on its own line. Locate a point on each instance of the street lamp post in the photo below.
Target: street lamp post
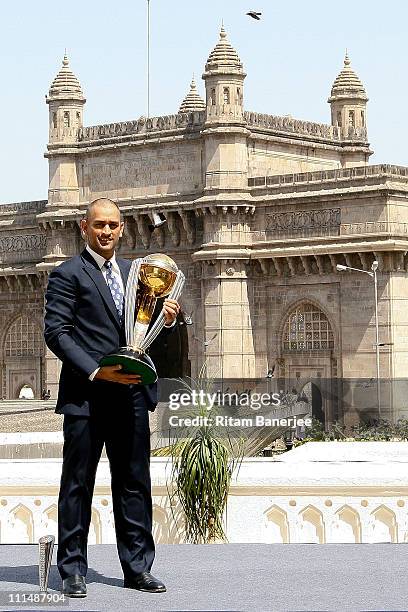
{"x": 374, "y": 268}
{"x": 148, "y": 59}
{"x": 373, "y": 274}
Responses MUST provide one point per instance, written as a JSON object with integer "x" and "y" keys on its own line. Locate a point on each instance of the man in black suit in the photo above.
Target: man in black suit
{"x": 101, "y": 405}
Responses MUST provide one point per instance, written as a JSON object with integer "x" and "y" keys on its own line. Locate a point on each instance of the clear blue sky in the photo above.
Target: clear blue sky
{"x": 291, "y": 58}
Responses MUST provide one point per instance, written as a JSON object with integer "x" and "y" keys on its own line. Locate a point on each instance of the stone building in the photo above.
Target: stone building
{"x": 260, "y": 210}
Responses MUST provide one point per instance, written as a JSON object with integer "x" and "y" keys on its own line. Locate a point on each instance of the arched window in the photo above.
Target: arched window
{"x": 226, "y": 95}
{"x": 306, "y": 329}
{"x": 23, "y": 338}
{"x": 212, "y": 97}
{"x": 66, "y": 119}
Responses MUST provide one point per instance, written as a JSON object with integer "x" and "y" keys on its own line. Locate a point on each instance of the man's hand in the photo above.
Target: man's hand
{"x": 171, "y": 308}
{"x": 114, "y": 374}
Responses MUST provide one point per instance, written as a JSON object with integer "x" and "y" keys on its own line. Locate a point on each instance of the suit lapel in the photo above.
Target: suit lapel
{"x": 124, "y": 267}
{"x": 93, "y": 270}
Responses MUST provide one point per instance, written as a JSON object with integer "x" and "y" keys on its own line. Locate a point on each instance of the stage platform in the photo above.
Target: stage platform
{"x": 231, "y": 577}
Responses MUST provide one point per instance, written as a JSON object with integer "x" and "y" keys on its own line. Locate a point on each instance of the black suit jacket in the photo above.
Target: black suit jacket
{"x": 81, "y": 326}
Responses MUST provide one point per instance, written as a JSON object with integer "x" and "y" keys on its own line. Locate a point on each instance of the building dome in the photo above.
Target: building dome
{"x": 223, "y": 57}
{"x": 66, "y": 85}
{"x": 193, "y": 101}
{"x": 347, "y": 84}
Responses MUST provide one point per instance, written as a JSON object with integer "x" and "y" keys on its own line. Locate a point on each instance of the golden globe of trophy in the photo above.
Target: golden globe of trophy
{"x": 155, "y": 276}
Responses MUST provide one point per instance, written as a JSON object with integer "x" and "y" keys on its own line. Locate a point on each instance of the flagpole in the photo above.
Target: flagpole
{"x": 148, "y": 58}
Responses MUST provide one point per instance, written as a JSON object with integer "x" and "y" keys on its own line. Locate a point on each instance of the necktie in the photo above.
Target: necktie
{"x": 115, "y": 288}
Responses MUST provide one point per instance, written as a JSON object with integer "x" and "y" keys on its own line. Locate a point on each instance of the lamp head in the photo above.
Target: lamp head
{"x": 341, "y": 268}
{"x": 158, "y": 219}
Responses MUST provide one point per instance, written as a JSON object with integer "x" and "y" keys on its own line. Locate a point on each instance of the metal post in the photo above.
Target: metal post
{"x": 373, "y": 274}
{"x": 148, "y": 59}
{"x": 46, "y": 547}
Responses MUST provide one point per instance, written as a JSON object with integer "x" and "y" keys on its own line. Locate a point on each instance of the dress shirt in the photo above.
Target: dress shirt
{"x": 100, "y": 260}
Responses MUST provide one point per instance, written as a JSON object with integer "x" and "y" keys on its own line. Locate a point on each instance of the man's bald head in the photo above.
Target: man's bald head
{"x": 103, "y": 203}
{"x": 102, "y": 226}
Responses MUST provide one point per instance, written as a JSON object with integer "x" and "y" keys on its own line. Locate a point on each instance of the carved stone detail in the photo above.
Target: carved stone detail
{"x": 187, "y": 219}
{"x": 303, "y": 221}
{"x": 24, "y": 207}
{"x": 143, "y": 229}
{"x": 129, "y": 232}
{"x": 160, "y": 236}
{"x": 174, "y": 229}
{"x": 265, "y": 266}
{"x": 141, "y": 126}
{"x": 278, "y": 266}
{"x": 365, "y": 264}
{"x": 306, "y": 265}
{"x": 292, "y": 265}
{"x": 308, "y": 128}
{"x": 22, "y": 242}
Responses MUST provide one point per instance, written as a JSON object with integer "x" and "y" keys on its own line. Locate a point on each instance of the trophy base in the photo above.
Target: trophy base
{"x": 132, "y": 362}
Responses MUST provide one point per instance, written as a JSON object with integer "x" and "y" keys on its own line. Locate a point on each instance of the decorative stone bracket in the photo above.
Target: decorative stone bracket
{"x": 289, "y": 266}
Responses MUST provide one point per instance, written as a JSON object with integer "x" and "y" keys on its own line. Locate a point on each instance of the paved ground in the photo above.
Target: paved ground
{"x": 232, "y": 577}
{"x": 46, "y": 420}
{"x": 29, "y": 415}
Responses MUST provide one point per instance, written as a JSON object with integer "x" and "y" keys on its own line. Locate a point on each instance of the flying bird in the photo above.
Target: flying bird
{"x": 254, "y": 15}
{"x": 206, "y": 342}
{"x": 187, "y": 318}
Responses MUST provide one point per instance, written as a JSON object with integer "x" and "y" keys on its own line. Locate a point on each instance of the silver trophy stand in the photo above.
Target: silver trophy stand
{"x": 46, "y": 547}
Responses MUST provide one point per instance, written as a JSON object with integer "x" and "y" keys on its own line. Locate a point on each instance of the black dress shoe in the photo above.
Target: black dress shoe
{"x": 144, "y": 582}
{"x": 74, "y": 586}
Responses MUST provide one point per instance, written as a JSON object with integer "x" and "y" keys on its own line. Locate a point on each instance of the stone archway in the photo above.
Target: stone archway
{"x": 307, "y": 358}
{"x": 22, "y": 357}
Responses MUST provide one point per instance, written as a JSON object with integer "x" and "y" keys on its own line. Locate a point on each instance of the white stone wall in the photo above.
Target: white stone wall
{"x": 322, "y": 492}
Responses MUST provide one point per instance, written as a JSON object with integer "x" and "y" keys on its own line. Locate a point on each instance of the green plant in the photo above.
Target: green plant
{"x": 203, "y": 460}
{"x": 202, "y": 471}
{"x": 382, "y": 430}
{"x": 317, "y": 433}
{"x": 373, "y": 430}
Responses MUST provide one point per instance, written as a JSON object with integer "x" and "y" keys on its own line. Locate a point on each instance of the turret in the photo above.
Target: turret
{"x": 66, "y": 102}
{"x": 348, "y": 101}
{"x": 193, "y": 101}
{"x": 224, "y": 83}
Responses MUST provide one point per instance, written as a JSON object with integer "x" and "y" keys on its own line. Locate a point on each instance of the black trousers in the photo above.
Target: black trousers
{"x": 119, "y": 419}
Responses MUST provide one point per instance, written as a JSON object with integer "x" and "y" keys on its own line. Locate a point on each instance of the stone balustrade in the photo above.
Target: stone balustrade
{"x": 289, "y": 125}
{"x": 277, "y": 181}
{"x": 257, "y": 121}
{"x": 36, "y": 206}
{"x": 142, "y": 125}
{"x": 321, "y": 492}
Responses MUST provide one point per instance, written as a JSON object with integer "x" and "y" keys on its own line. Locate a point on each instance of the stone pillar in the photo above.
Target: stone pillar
{"x": 52, "y": 372}
{"x": 226, "y": 158}
{"x": 62, "y": 241}
{"x": 64, "y": 181}
{"x": 228, "y": 340}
